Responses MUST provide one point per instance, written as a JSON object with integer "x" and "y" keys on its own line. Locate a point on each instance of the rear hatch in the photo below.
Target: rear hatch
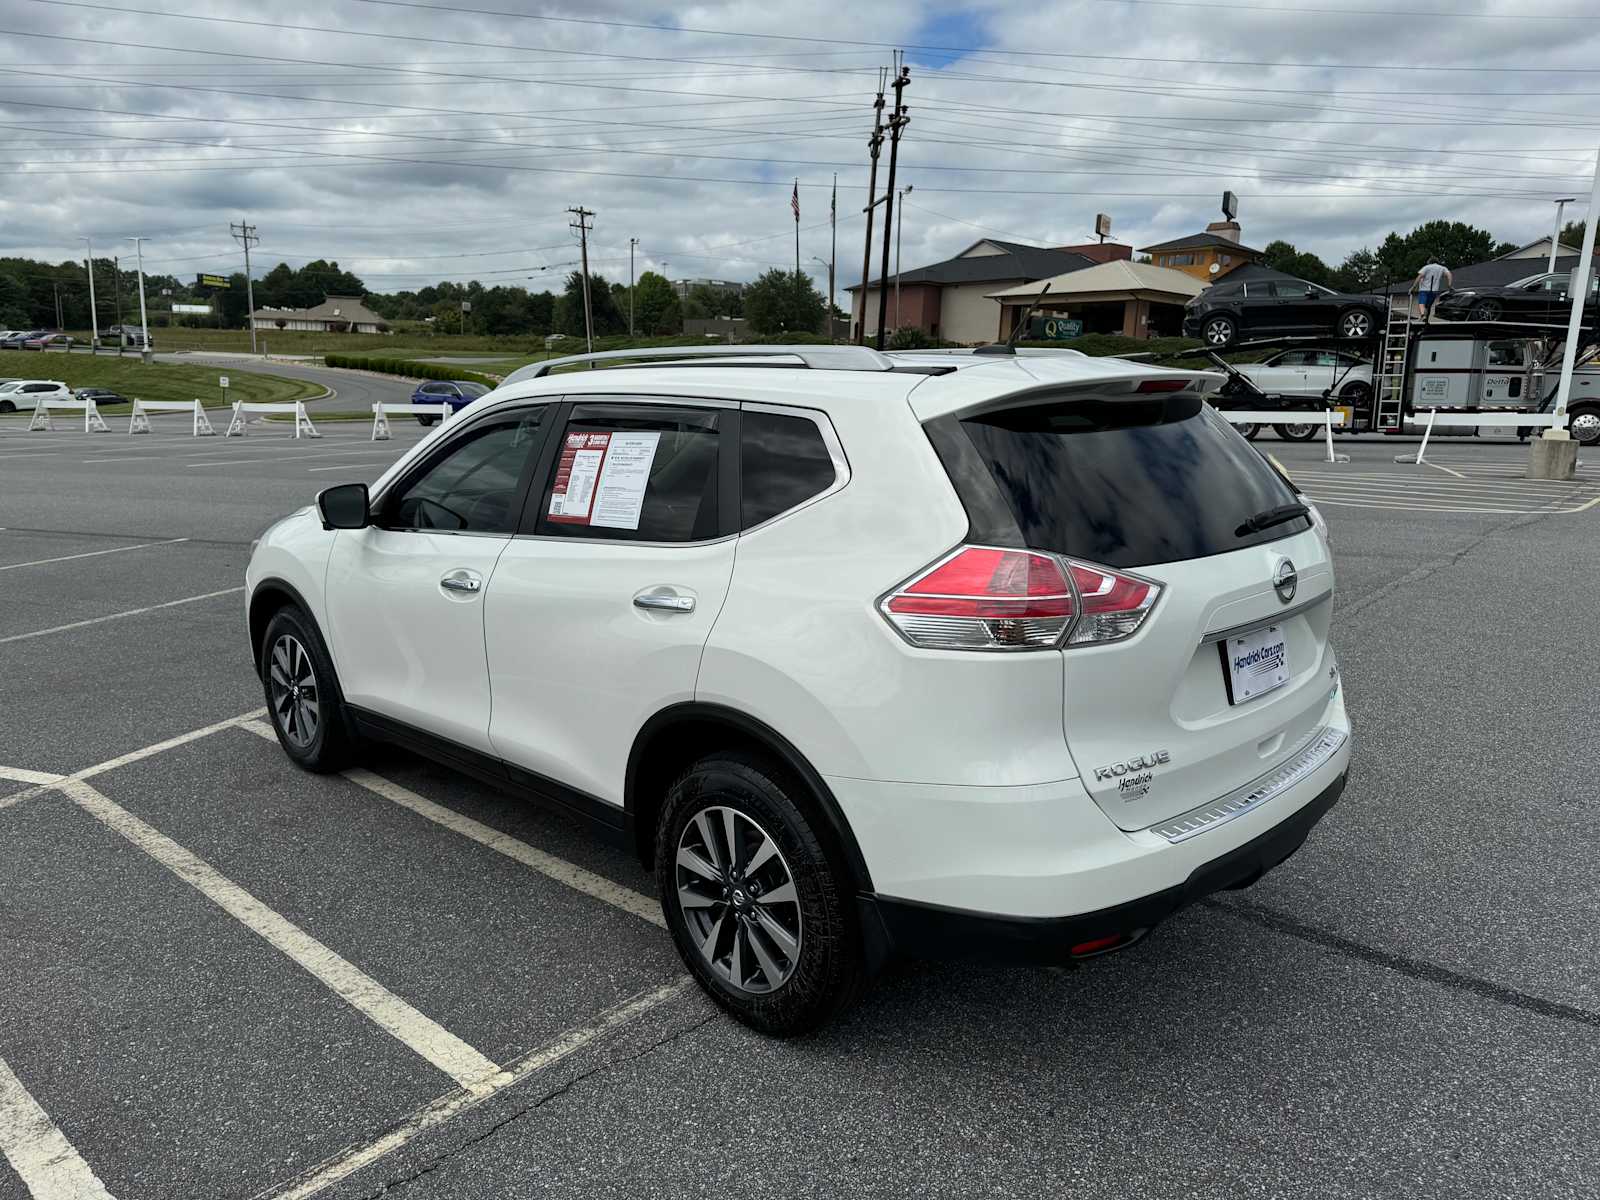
{"x": 1229, "y": 671}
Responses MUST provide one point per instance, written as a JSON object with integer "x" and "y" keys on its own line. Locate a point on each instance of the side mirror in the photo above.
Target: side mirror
{"x": 1311, "y": 293}
{"x": 344, "y": 506}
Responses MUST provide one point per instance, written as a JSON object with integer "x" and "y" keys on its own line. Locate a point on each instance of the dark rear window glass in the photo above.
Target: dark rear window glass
{"x": 1123, "y": 482}
{"x": 784, "y": 462}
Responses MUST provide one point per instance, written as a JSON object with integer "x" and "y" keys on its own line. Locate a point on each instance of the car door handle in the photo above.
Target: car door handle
{"x": 663, "y": 600}
{"x": 462, "y": 581}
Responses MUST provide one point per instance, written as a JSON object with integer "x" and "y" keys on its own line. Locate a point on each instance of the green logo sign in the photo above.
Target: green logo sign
{"x": 1055, "y": 329}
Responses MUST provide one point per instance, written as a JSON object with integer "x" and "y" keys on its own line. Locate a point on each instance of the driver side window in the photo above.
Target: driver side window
{"x": 474, "y": 485}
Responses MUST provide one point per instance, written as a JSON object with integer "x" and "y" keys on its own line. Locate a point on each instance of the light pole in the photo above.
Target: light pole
{"x": 632, "y": 243}
{"x": 1555, "y": 237}
{"x": 1555, "y": 454}
{"x": 144, "y": 320}
{"x": 899, "y": 224}
{"x": 94, "y": 316}
{"x": 828, "y": 316}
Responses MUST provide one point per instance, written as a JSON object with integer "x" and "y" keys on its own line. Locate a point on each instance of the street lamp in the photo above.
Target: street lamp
{"x": 144, "y": 320}
{"x": 899, "y": 224}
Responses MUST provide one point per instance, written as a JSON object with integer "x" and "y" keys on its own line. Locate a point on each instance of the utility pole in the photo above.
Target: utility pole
{"x": 874, "y": 144}
{"x": 144, "y": 322}
{"x": 55, "y": 287}
{"x": 899, "y": 224}
{"x": 897, "y": 123}
{"x": 581, "y": 224}
{"x": 632, "y": 242}
{"x": 245, "y": 235}
{"x": 797, "y": 230}
{"x": 1555, "y": 237}
{"x": 833, "y": 254}
{"x": 94, "y": 316}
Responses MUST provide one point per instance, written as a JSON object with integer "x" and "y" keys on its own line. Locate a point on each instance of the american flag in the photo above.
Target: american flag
{"x": 794, "y": 201}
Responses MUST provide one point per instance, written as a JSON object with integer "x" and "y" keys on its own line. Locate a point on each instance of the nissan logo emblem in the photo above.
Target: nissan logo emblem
{"x": 1285, "y": 580}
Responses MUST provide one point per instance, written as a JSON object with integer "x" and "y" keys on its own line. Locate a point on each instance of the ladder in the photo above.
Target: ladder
{"x": 1391, "y": 378}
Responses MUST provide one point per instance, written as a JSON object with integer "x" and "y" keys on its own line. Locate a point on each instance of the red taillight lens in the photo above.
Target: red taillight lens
{"x": 981, "y": 598}
{"x": 989, "y": 598}
{"x": 1113, "y": 604}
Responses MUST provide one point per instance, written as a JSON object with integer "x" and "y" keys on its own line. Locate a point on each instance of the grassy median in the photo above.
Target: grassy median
{"x": 154, "y": 381}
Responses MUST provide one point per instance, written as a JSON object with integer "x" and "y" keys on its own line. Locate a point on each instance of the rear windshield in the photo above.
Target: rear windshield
{"x": 1121, "y": 481}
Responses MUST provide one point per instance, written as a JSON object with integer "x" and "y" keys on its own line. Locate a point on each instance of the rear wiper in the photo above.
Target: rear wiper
{"x": 1271, "y": 517}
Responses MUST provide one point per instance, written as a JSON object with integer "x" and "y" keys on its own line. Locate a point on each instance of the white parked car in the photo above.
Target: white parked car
{"x": 26, "y": 393}
{"x": 991, "y": 655}
{"x": 1310, "y": 375}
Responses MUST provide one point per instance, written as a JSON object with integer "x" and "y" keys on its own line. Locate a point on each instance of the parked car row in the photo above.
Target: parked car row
{"x": 33, "y": 339}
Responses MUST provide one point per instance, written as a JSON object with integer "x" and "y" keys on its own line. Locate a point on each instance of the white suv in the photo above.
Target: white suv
{"x": 27, "y": 393}
{"x": 997, "y": 655}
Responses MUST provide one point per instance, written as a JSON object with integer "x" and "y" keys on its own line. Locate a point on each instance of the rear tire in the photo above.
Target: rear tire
{"x": 1217, "y": 332}
{"x": 1356, "y": 395}
{"x": 1355, "y": 324}
{"x": 1250, "y": 431}
{"x": 765, "y": 919}
{"x": 1296, "y": 432}
{"x": 304, "y": 702}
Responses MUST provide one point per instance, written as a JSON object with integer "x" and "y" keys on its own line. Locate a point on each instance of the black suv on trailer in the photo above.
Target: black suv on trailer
{"x": 1225, "y": 312}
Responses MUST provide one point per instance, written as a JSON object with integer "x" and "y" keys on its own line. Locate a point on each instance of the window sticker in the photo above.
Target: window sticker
{"x": 623, "y": 478}
{"x": 572, "y": 496}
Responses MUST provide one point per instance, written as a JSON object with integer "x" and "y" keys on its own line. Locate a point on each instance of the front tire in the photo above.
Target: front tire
{"x": 1484, "y": 310}
{"x": 1249, "y": 431}
{"x": 1217, "y": 332}
{"x": 426, "y": 418}
{"x": 7, "y": 407}
{"x": 1296, "y": 432}
{"x": 761, "y": 913}
{"x": 304, "y": 703}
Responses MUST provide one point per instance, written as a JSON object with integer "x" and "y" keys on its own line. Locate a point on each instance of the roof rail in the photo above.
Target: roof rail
{"x": 819, "y": 358}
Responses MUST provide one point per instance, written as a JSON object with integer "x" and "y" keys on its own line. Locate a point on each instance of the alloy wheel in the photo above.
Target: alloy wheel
{"x": 295, "y": 698}
{"x": 1357, "y": 325}
{"x": 1219, "y": 332}
{"x": 738, "y": 899}
{"x": 1585, "y": 428}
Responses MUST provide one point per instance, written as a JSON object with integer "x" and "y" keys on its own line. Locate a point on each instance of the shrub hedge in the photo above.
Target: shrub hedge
{"x": 406, "y": 367}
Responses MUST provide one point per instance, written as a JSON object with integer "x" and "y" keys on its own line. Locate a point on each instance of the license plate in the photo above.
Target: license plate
{"x": 1255, "y": 664}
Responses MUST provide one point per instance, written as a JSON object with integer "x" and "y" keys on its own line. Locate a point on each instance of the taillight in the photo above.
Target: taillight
{"x": 990, "y": 598}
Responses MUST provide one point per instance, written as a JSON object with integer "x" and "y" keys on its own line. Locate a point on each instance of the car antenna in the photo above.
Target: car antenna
{"x": 1010, "y": 344}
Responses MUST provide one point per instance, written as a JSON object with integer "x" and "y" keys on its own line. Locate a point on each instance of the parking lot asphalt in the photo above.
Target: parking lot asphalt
{"x": 228, "y": 978}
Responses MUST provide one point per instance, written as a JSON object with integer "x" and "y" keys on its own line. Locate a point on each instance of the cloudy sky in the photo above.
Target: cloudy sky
{"x": 414, "y": 141}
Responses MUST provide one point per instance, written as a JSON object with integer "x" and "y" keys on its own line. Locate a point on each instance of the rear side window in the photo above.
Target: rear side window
{"x": 784, "y": 462}
{"x": 1121, "y": 481}
{"x": 636, "y": 473}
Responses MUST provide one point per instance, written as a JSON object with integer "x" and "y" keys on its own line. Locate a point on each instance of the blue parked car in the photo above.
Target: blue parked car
{"x": 457, "y": 393}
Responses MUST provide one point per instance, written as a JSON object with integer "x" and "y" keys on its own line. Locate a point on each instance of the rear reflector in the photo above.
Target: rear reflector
{"x": 1098, "y": 945}
{"x": 991, "y": 598}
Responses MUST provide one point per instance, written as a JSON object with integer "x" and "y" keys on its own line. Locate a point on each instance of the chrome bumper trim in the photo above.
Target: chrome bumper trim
{"x": 1321, "y": 746}
{"x": 1277, "y": 618}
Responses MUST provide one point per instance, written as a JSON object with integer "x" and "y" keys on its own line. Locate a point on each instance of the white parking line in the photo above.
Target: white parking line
{"x": 132, "y": 612}
{"x": 22, "y": 775}
{"x": 329, "y": 1172}
{"x": 39, "y": 562}
{"x": 38, "y": 1151}
{"x": 366, "y": 995}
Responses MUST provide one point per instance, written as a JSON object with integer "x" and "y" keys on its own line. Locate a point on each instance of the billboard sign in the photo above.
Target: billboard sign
{"x": 198, "y": 310}
{"x": 1102, "y": 224}
{"x": 211, "y": 281}
{"x": 1054, "y": 329}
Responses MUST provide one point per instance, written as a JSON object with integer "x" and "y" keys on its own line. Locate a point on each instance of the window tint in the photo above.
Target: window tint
{"x": 1294, "y": 358}
{"x": 635, "y": 473}
{"x": 432, "y": 389}
{"x": 1265, "y": 289}
{"x": 1123, "y": 482}
{"x": 783, "y": 462}
{"x": 472, "y": 389}
{"x": 473, "y": 485}
{"x": 1224, "y": 290}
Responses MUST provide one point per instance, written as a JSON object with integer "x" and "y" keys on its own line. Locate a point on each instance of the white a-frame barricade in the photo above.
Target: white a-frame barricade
{"x": 302, "y": 423}
{"x": 139, "y": 421}
{"x": 380, "y": 416}
{"x": 93, "y": 422}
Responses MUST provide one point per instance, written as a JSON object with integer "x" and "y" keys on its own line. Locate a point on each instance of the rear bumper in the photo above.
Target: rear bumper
{"x": 923, "y": 930}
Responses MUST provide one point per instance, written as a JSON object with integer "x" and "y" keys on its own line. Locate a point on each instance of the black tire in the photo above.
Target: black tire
{"x": 1296, "y": 432}
{"x": 7, "y": 407}
{"x": 1356, "y": 395}
{"x": 426, "y": 418}
{"x": 1218, "y": 331}
{"x": 825, "y": 972}
{"x": 1583, "y": 423}
{"x": 299, "y": 682}
{"x": 1355, "y": 324}
{"x": 1485, "y": 310}
{"x": 1250, "y": 431}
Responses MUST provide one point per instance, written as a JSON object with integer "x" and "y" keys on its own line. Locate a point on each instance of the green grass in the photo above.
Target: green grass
{"x": 153, "y": 381}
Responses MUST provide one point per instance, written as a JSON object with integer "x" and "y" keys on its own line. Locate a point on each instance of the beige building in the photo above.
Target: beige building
{"x": 1133, "y": 299}
{"x": 336, "y": 314}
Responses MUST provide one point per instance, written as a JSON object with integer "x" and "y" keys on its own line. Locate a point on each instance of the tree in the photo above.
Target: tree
{"x": 783, "y": 302}
{"x": 608, "y": 318}
{"x": 656, "y": 307}
{"x": 1453, "y": 243}
{"x": 1572, "y": 235}
{"x": 1359, "y": 272}
{"x": 1282, "y": 256}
